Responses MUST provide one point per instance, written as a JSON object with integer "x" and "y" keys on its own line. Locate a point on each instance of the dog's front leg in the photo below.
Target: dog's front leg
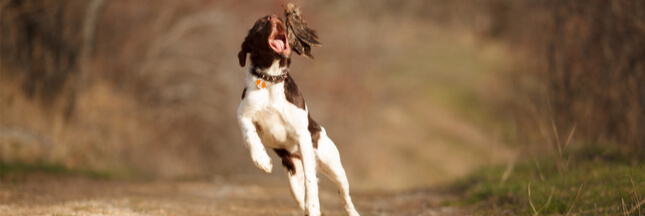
{"x": 253, "y": 143}
{"x": 312, "y": 205}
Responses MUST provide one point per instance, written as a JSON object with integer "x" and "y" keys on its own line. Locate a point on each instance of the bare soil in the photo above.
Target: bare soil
{"x": 47, "y": 194}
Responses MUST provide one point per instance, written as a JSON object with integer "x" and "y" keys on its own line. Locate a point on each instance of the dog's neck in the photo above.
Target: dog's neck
{"x": 274, "y": 73}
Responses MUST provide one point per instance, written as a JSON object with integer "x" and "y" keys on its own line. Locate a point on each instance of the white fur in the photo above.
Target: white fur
{"x": 284, "y": 126}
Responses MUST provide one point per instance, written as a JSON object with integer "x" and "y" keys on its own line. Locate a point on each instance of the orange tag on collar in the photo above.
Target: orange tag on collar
{"x": 260, "y": 84}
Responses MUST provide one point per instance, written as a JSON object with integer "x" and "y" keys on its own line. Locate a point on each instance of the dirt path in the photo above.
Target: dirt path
{"x": 43, "y": 194}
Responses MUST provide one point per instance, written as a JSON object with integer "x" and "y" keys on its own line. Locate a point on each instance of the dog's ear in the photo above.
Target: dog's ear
{"x": 246, "y": 48}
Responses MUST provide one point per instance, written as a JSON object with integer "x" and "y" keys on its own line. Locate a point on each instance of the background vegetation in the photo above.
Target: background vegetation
{"x": 423, "y": 91}
{"x": 154, "y": 87}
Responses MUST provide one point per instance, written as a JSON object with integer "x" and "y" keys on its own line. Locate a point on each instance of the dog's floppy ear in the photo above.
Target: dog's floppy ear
{"x": 241, "y": 56}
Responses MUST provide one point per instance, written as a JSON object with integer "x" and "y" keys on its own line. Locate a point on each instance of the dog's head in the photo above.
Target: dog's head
{"x": 266, "y": 42}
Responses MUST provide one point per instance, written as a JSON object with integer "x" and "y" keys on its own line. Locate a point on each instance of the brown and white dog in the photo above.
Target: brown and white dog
{"x": 273, "y": 114}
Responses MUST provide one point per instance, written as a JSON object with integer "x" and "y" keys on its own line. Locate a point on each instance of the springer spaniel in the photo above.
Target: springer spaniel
{"x": 273, "y": 114}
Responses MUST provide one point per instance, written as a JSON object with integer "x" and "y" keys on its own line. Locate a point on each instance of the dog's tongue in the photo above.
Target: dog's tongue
{"x": 278, "y": 45}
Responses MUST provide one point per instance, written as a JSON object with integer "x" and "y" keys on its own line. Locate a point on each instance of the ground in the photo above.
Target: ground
{"x": 48, "y": 194}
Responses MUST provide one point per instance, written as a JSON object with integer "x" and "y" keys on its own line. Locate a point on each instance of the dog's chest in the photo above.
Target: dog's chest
{"x": 272, "y": 118}
{"x": 272, "y": 128}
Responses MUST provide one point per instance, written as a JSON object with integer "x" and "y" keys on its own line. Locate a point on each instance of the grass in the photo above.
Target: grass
{"x": 591, "y": 181}
{"x": 16, "y": 172}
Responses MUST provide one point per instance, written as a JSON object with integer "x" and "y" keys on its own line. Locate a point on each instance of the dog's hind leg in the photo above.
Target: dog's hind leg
{"x": 312, "y": 204}
{"x": 297, "y": 183}
{"x": 295, "y": 173}
{"x": 330, "y": 165}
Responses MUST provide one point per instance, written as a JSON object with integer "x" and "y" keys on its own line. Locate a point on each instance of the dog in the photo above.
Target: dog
{"x": 273, "y": 114}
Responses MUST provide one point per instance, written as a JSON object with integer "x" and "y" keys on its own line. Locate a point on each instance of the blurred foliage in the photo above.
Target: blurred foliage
{"x": 40, "y": 44}
{"x": 153, "y": 85}
{"x": 584, "y": 69}
{"x": 17, "y": 172}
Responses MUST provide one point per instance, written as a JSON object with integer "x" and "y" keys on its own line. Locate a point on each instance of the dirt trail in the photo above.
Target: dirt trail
{"x": 43, "y": 194}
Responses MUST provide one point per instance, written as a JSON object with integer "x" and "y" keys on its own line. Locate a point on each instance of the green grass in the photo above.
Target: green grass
{"x": 17, "y": 172}
{"x": 589, "y": 181}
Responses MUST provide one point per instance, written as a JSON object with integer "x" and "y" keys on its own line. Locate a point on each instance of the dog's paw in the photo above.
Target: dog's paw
{"x": 262, "y": 160}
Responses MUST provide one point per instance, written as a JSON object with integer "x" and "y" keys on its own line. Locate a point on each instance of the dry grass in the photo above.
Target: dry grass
{"x": 598, "y": 182}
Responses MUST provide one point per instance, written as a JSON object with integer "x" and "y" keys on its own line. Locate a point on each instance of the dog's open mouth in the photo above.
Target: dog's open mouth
{"x": 278, "y": 39}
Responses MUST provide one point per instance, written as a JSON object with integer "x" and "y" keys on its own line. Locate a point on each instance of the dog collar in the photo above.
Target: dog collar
{"x": 270, "y": 78}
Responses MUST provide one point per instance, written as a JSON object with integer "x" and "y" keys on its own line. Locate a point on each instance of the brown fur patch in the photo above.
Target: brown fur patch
{"x": 292, "y": 93}
{"x": 287, "y": 160}
{"x": 314, "y": 130}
